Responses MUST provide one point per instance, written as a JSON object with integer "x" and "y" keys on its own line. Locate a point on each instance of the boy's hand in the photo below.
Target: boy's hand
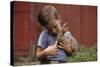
{"x": 65, "y": 46}
{"x": 51, "y": 50}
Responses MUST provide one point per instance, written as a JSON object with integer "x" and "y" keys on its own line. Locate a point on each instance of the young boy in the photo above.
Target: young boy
{"x": 49, "y": 49}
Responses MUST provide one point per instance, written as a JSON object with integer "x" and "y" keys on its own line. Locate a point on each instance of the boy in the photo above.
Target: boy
{"x": 49, "y": 47}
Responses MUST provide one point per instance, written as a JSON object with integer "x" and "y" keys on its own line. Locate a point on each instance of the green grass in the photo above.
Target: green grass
{"x": 84, "y": 54}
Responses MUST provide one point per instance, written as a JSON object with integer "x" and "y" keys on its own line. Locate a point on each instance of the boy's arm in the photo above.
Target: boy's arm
{"x": 49, "y": 51}
{"x": 40, "y": 54}
{"x": 42, "y": 42}
{"x": 66, "y": 46}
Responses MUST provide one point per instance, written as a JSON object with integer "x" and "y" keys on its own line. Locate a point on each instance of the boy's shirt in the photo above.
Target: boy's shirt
{"x": 47, "y": 39}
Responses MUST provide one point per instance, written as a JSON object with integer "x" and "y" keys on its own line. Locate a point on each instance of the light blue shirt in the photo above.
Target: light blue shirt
{"x": 46, "y": 39}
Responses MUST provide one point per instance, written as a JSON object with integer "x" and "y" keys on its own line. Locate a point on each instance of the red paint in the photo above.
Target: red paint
{"x": 21, "y": 28}
{"x": 82, "y": 21}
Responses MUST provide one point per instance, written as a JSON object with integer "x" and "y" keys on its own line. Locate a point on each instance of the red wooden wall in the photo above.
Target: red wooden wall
{"x": 82, "y": 21}
{"x": 88, "y": 25}
{"x": 21, "y": 28}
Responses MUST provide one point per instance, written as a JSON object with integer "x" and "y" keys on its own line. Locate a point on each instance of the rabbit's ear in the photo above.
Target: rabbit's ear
{"x": 65, "y": 27}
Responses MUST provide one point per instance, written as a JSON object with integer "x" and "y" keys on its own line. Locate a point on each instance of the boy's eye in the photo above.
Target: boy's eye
{"x": 50, "y": 29}
{"x": 55, "y": 26}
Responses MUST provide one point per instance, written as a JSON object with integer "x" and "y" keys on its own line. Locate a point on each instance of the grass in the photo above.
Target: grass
{"x": 84, "y": 55}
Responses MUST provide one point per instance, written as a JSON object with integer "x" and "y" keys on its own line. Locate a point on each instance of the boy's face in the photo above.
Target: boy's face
{"x": 54, "y": 27}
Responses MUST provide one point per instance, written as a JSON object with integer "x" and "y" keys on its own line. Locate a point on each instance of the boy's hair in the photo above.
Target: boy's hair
{"x": 47, "y": 14}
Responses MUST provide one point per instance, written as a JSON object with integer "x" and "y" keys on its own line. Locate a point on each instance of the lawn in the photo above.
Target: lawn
{"x": 84, "y": 54}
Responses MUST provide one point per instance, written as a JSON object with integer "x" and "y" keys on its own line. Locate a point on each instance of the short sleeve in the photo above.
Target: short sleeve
{"x": 42, "y": 41}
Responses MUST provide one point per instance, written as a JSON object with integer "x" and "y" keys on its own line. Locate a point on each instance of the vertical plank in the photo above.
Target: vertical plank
{"x": 88, "y": 25}
{"x": 21, "y": 28}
